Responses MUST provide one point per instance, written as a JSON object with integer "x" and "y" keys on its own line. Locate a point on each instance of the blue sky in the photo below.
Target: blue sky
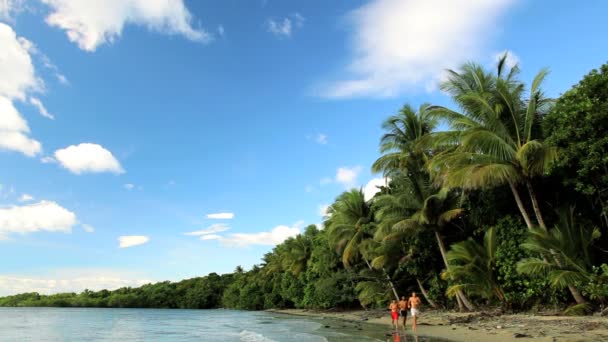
{"x": 125, "y": 123}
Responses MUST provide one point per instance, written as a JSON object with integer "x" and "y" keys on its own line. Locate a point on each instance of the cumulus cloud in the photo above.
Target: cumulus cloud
{"x": 88, "y": 228}
{"x": 323, "y": 210}
{"x": 212, "y": 229}
{"x": 69, "y": 281}
{"x": 129, "y": 186}
{"x": 373, "y": 187}
{"x": 18, "y": 79}
{"x": 42, "y": 216}
{"x": 268, "y": 238}
{"x": 10, "y": 7}
{"x": 132, "y": 240}
{"x": 87, "y": 157}
{"x": 221, "y": 216}
{"x": 92, "y": 23}
{"x": 284, "y": 28}
{"x": 41, "y": 109}
{"x": 400, "y": 44}
{"x": 347, "y": 176}
{"x": 26, "y": 198}
{"x": 271, "y": 238}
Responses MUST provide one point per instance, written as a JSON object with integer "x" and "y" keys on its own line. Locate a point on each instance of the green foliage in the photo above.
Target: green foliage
{"x": 521, "y": 291}
{"x": 446, "y": 188}
{"x": 472, "y": 267}
{"x": 578, "y": 126}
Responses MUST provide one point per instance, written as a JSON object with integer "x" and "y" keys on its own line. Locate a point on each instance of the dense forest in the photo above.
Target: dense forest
{"x": 506, "y": 205}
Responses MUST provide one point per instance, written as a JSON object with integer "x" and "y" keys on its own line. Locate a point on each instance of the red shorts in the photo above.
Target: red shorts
{"x": 395, "y": 315}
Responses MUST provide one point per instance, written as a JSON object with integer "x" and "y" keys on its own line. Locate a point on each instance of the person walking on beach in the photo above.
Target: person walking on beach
{"x": 414, "y": 303}
{"x": 394, "y": 314}
{"x": 403, "y": 310}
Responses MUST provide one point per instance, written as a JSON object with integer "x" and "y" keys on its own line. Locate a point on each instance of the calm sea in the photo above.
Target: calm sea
{"x": 75, "y": 324}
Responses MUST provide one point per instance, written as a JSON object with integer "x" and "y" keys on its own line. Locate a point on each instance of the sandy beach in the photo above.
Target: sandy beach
{"x": 481, "y": 326}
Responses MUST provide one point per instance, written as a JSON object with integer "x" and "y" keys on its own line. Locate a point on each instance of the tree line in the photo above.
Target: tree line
{"x": 500, "y": 200}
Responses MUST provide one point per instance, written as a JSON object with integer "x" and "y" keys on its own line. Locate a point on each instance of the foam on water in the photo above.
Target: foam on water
{"x": 250, "y": 336}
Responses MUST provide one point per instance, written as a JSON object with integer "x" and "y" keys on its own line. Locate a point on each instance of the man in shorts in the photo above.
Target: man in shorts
{"x": 394, "y": 314}
{"x": 414, "y": 304}
{"x": 403, "y": 310}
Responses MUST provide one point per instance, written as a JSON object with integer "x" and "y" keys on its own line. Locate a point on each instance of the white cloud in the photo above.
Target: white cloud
{"x": 88, "y": 228}
{"x": 212, "y": 229}
{"x": 512, "y": 59}
{"x": 371, "y": 188}
{"x": 279, "y": 28}
{"x": 38, "y": 104}
{"x": 284, "y": 28}
{"x": 95, "y": 22}
{"x": 347, "y": 176}
{"x": 26, "y": 198}
{"x": 309, "y": 188}
{"x": 400, "y": 44}
{"x": 132, "y": 240}
{"x": 42, "y": 216}
{"x": 220, "y": 30}
{"x": 321, "y": 138}
{"x": 129, "y": 186}
{"x": 323, "y": 210}
{"x": 48, "y": 160}
{"x": 298, "y": 19}
{"x": 10, "y": 7}
{"x": 18, "y": 78}
{"x": 59, "y": 281}
{"x": 271, "y": 238}
{"x": 87, "y": 157}
{"x": 210, "y": 237}
{"x": 221, "y": 216}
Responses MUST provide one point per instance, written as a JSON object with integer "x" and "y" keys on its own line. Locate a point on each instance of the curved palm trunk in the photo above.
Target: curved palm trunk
{"x": 425, "y": 294}
{"x": 578, "y": 297}
{"x": 539, "y": 216}
{"x": 388, "y": 279}
{"x": 460, "y": 296}
{"x": 520, "y": 205}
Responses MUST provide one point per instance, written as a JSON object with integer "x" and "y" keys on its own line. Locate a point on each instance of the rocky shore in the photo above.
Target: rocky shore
{"x": 480, "y": 326}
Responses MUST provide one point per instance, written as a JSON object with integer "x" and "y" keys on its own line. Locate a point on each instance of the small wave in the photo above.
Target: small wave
{"x": 250, "y": 336}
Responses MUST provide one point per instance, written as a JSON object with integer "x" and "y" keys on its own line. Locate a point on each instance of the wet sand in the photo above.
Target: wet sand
{"x": 477, "y": 326}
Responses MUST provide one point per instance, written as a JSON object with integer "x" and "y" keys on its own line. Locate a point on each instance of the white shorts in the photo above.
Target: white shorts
{"x": 414, "y": 312}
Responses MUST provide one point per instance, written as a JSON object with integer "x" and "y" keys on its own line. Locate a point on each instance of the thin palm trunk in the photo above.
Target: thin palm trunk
{"x": 539, "y": 216}
{"x": 425, "y": 294}
{"x": 578, "y": 297}
{"x": 460, "y": 296}
{"x": 388, "y": 279}
{"x": 520, "y": 205}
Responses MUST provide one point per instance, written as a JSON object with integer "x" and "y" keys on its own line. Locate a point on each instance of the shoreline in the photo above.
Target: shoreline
{"x": 477, "y": 326}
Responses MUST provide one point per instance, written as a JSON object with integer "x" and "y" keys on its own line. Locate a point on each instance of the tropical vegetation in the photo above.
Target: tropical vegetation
{"x": 499, "y": 201}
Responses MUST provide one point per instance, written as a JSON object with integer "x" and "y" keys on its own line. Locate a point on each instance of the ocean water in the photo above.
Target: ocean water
{"x": 126, "y": 325}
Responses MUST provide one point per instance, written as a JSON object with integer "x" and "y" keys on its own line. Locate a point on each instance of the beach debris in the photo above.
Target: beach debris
{"x": 520, "y": 335}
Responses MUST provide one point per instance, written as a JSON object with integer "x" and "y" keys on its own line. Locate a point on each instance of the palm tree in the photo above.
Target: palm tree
{"x": 404, "y": 155}
{"x": 436, "y": 209}
{"x": 472, "y": 266}
{"x": 350, "y": 229}
{"x": 399, "y": 145}
{"x": 496, "y": 138}
{"x": 564, "y": 253}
